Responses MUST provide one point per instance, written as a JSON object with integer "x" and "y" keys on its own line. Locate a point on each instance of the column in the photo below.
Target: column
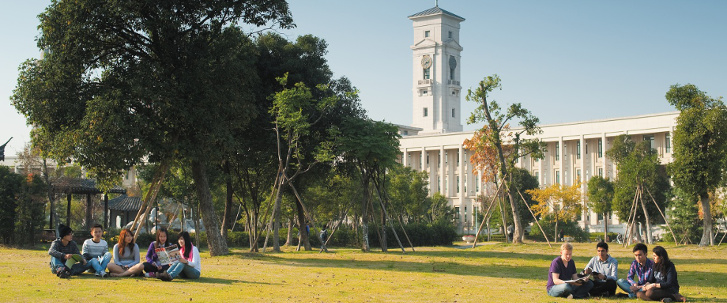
{"x": 603, "y": 151}
{"x": 404, "y": 157}
{"x": 582, "y": 164}
{"x": 441, "y": 184}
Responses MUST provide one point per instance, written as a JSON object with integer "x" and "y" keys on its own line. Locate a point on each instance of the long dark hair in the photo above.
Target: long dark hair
{"x": 187, "y": 244}
{"x": 664, "y": 262}
{"x": 158, "y": 242}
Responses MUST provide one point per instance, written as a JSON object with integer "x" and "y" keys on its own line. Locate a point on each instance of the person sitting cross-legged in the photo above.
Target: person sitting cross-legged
{"x": 603, "y": 269}
{"x": 561, "y": 274}
{"x": 662, "y": 284}
{"x": 639, "y": 272}
{"x": 66, "y": 260}
{"x": 189, "y": 265}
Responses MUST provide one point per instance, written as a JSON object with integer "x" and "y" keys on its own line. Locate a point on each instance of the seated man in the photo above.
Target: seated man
{"x": 641, "y": 269}
{"x": 561, "y": 273}
{"x": 96, "y": 251}
{"x": 603, "y": 269}
{"x": 65, "y": 255}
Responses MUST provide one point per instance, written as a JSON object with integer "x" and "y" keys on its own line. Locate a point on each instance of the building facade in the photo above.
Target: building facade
{"x": 433, "y": 143}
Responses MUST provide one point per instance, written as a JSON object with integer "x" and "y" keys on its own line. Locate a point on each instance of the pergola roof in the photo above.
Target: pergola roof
{"x": 81, "y": 186}
{"x": 125, "y": 203}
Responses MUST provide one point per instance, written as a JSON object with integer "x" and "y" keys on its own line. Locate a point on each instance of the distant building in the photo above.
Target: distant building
{"x": 434, "y": 141}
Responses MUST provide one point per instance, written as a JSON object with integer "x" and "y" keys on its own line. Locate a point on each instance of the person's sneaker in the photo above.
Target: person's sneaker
{"x": 64, "y": 273}
{"x": 569, "y": 296}
{"x": 164, "y": 276}
{"x": 104, "y": 275}
{"x": 150, "y": 275}
{"x": 667, "y": 300}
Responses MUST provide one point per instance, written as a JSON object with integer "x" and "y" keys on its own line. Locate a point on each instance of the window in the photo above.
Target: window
{"x": 426, "y": 74}
{"x": 557, "y": 151}
{"x": 465, "y": 214}
{"x": 457, "y": 161}
{"x": 578, "y": 174}
{"x": 453, "y": 113}
{"x": 477, "y": 186}
{"x": 465, "y": 185}
{"x": 557, "y": 177}
{"x": 426, "y": 112}
{"x": 537, "y": 176}
{"x": 426, "y": 34}
{"x": 439, "y": 184}
{"x": 652, "y": 143}
{"x": 578, "y": 150}
{"x": 667, "y": 143}
{"x": 600, "y": 172}
{"x": 600, "y": 149}
{"x": 458, "y": 184}
{"x": 449, "y": 34}
{"x": 406, "y": 132}
{"x": 456, "y": 212}
{"x": 427, "y": 158}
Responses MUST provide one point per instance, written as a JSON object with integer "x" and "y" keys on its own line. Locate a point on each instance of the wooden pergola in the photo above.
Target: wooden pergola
{"x": 78, "y": 186}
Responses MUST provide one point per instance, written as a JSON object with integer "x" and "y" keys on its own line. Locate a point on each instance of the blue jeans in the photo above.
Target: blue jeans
{"x": 76, "y": 269}
{"x": 183, "y": 271}
{"x": 565, "y": 289}
{"x": 626, "y": 286}
{"x": 94, "y": 265}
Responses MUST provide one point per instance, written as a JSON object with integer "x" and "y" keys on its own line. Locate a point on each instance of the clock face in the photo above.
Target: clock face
{"x": 452, "y": 62}
{"x": 426, "y": 61}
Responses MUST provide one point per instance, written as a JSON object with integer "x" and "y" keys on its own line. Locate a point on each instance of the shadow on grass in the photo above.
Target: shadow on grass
{"x": 496, "y": 265}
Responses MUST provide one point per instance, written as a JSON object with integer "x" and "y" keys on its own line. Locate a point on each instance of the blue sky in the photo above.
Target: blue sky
{"x": 564, "y": 60}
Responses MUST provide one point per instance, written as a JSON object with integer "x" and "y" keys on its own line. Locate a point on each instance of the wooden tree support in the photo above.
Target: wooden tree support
{"x": 662, "y": 215}
{"x": 536, "y": 219}
{"x": 487, "y": 213}
{"x": 151, "y": 195}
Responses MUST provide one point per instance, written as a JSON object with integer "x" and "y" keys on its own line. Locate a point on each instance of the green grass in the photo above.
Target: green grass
{"x": 488, "y": 273}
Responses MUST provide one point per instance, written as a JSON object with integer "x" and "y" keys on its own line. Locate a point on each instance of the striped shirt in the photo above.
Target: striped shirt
{"x": 92, "y": 249}
{"x": 638, "y": 275}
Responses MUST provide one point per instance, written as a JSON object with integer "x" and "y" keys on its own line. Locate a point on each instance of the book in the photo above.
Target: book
{"x": 73, "y": 260}
{"x": 168, "y": 255}
{"x": 582, "y": 279}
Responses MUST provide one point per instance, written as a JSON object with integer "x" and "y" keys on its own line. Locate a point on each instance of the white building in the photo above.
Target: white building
{"x": 434, "y": 142}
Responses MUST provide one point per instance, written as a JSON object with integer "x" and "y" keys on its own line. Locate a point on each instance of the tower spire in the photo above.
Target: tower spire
{"x": 436, "y": 3}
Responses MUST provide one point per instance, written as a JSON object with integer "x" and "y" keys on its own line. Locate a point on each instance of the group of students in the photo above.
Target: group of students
{"x": 67, "y": 261}
{"x": 648, "y": 280}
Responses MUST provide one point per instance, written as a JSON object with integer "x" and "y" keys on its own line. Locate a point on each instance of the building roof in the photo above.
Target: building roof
{"x": 435, "y": 11}
{"x": 125, "y": 203}
{"x": 80, "y": 186}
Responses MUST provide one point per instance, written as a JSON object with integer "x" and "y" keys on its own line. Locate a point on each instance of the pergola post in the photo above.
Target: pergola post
{"x": 89, "y": 211}
{"x": 68, "y": 212}
{"x": 105, "y": 211}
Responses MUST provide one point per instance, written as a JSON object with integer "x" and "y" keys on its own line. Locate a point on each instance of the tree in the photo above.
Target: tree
{"x": 128, "y": 80}
{"x": 700, "y": 146}
{"x": 641, "y": 183}
{"x": 408, "y": 194}
{"x": 10, "y": 186}
{"x": 600, "y": 195}
{"x": 371, "y": 147}
{"x": 498, "y": 146}
{"x": 684, "y": 213}
{"x": 561, "y": 201}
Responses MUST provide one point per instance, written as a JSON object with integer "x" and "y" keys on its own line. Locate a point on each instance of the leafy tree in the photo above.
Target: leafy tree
{"x": 497, "y": 146}
{"x": 684, "y": 213}
{"x": 371, "y": 147}
{"x": 440, "y": 211}
{"x": 10, "y": 187}
{"x": 641, "y": 179}
{"x": 408, "y": 193}
{"x": 125, "y": 80}
{"x": 700, "y": 146}
{"x": 29, "y": 213}
{"x": 561, "y": 202}
{"x": 600, "y": 195}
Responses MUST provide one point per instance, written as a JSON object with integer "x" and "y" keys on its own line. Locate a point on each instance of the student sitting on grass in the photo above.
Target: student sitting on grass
{"x": 563, "y": 269}
{"x": 65, "y": 259}
{"x": 152, "y": 265}
{"x": 189, "y": 265}
{"x": 603, "y": 269}
{"x": 639, "y": 272}
{"x": 662, "y": 283}
{"x": 96, "y": 251}
{"x": 126, "y": 254}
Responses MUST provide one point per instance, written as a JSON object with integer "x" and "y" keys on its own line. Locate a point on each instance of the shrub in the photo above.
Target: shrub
{"x": 420, "y": 235}
{"x": 570, "y": 228}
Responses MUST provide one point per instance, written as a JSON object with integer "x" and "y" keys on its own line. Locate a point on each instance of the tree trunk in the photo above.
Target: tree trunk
{"x": 304, "y": 236}
{"x": 384, "y": 246}
{"x": 365, "y": 214}
{"x": 215, "y": 242}
{"x": 227, "y": 217}
{"x": 504, "y": 220}
{"x": 289, "y": 237}
{"x": 707, "y": 237}
{"x": 517, "y": 237}
{"x": 276, "y": 216}
{"x": 649, "y": 239}
{"x": 605, "y": 227}
{"x": 556, "y": 231}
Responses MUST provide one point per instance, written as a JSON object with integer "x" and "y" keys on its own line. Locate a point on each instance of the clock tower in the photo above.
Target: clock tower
{"x": 436, "y": 69}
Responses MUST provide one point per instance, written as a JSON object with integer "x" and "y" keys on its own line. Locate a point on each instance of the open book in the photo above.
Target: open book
{"x": 168, "y": 255}
{"x": 582, "y": 279}
{"x": 73, "y": 260}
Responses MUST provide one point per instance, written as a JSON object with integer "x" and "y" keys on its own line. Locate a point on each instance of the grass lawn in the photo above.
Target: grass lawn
{"x": 489, "y": 273}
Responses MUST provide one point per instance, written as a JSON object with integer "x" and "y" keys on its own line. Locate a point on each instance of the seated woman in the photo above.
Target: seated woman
{"x": 562, "y": 271}
{"x": 152, "y": 264}
{"x": 126, "y": 255}
{"x": 662, "y": 284}
{"x": 189, "y": 265}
